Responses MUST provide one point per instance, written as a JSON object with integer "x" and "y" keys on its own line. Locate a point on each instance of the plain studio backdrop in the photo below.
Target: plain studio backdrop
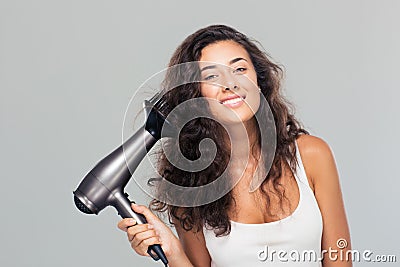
{"x": 69, "y": 68}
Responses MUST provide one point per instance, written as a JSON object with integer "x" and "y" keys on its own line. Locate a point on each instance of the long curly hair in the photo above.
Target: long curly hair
{"x": 269, "y": 76}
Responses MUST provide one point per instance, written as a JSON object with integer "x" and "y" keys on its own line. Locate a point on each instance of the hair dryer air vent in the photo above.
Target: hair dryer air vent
{"x": 82, "y": 206}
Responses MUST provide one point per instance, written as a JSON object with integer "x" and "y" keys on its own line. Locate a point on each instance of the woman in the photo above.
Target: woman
{"x": 298, "y": 207}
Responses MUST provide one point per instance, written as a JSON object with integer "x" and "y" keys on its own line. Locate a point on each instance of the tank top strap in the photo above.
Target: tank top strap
{"x": 300, "y": 171}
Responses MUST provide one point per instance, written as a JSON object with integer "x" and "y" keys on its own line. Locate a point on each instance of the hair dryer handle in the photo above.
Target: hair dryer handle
{"x": 123, "y": 206}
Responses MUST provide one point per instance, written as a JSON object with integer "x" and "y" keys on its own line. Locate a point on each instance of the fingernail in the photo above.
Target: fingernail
{"x": 150, "y": 226}
{"x": 132, "y": 221}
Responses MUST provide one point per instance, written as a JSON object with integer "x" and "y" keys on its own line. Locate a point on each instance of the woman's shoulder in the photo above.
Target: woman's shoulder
{"x": 315, "y": 153}
{"x": 312, "y": 145}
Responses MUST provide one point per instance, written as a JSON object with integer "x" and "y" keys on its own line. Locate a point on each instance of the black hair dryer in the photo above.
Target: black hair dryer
{"x": 104, "y": 185}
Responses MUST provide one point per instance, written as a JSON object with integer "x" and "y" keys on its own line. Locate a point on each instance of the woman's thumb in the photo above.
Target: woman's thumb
{"x": 150, "y": 217}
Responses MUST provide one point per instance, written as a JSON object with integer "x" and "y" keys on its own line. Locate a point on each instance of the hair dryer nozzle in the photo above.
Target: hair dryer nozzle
{"x": 156, "y": 122}
{"x": 83, "y": 204}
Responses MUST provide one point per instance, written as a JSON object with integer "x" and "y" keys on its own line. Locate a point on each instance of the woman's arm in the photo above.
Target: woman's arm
{"x": 194, "y": 246}
{"x": 321, "y": 168}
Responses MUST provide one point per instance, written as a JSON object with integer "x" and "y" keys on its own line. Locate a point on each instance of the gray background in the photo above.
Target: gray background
{"x": 69, "y": 68}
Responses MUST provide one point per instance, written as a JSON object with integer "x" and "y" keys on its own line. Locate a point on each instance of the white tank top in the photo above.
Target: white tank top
{"x": 293, "y": 241}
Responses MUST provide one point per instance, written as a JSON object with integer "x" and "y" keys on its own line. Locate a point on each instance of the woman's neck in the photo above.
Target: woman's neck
{"x": 245, "y": 156}
{"x": 243, "y": 139}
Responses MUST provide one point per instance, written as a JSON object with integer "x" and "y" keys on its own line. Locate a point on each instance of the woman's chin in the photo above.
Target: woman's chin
{"x": 236, "y": 120}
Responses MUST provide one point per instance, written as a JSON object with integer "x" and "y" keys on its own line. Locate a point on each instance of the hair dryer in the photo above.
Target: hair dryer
{"x": 104, "y": 185}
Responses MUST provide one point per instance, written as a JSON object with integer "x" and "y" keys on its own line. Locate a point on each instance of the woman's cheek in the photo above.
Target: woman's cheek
{"x": 255, "y": 103}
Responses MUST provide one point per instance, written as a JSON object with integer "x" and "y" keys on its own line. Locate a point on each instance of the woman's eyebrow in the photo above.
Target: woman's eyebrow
{"x": 208, "y": 67}
{"x": 236, "y": 60}
{"x": 230, "y": 63}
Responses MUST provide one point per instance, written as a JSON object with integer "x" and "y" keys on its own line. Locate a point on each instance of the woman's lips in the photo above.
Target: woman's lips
{"x": 233, "y": 101}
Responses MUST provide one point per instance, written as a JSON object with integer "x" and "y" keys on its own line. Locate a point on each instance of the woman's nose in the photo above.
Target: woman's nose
{"x": 229, "y": 82}
{"x": 228, "y": 88}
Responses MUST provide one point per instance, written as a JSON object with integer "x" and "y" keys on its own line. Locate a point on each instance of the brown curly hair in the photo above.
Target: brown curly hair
{"x": 287, "y": 128}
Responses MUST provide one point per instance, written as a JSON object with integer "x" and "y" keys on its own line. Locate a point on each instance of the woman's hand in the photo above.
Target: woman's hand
{"x": 141, "y": 236}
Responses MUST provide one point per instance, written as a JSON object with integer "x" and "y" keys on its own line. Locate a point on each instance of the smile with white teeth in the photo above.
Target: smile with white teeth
{"x": 232, "y": 101}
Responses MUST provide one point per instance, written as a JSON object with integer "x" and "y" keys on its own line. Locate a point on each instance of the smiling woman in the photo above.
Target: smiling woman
{"x": 297, "y": 207}
{"x": 237, "y": 89}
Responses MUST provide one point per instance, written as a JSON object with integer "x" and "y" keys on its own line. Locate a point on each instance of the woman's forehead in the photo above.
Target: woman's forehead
{"x": 223, "y": 52}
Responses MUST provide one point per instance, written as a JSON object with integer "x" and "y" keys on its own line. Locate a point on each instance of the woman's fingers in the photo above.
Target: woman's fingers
{"x": 144, "y": 238}
{"x": 134, "y": 230}
{"x": 155, "y": 231}
{"x": 124, "y": 224}
{"x": 142, "y": 248}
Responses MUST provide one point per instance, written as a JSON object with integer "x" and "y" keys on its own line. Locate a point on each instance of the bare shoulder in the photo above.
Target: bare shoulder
{"x": 311, "y": 145}
{"x": 316, "y": 155}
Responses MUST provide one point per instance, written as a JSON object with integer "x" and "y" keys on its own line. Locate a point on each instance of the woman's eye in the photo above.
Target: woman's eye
{"x": 239, "y": 70}
{"x": 210, "y": 77}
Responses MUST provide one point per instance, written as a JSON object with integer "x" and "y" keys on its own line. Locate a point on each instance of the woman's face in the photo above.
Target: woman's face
{"x": 229, "y": 80}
